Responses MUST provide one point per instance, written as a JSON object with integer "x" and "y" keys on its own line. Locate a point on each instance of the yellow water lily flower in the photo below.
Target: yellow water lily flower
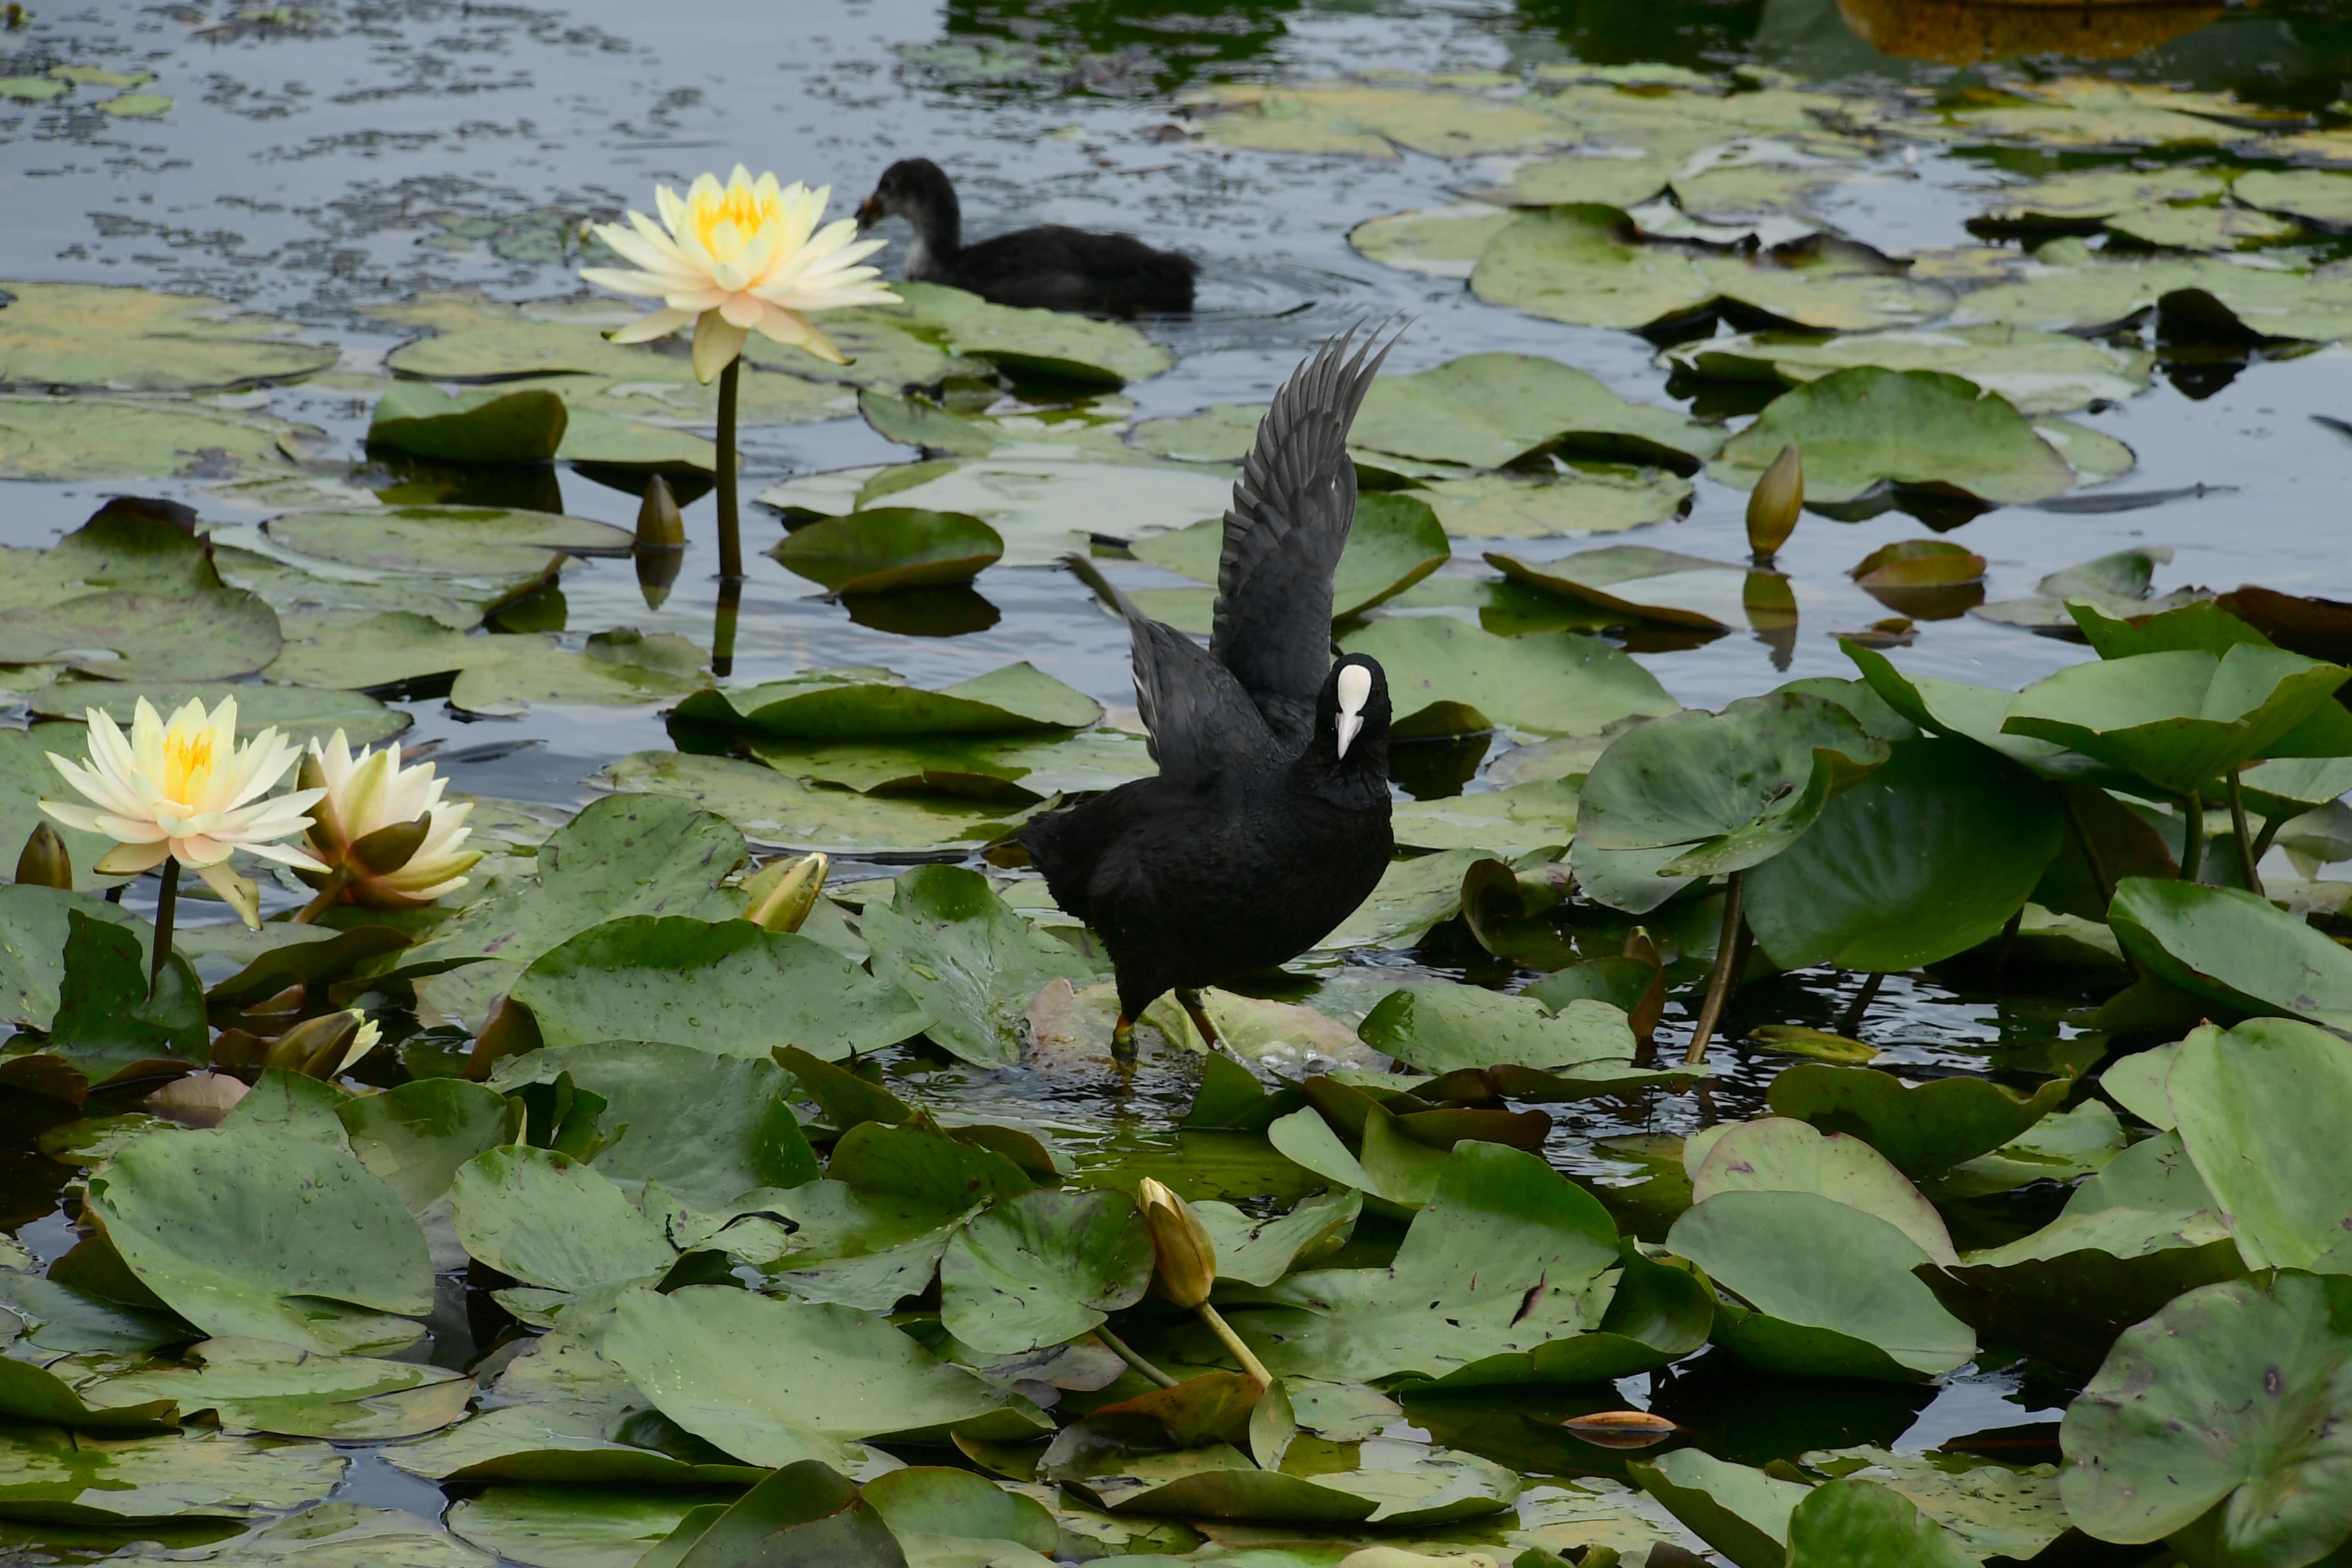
{"x": 187, "y": 791}
{"x": 366, "y": 801}
{"x": 736, "y": 259}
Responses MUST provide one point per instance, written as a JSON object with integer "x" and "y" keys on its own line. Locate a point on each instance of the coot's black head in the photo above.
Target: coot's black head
{"x": 1350, "y": 744}
{"x": 911, "y": 188}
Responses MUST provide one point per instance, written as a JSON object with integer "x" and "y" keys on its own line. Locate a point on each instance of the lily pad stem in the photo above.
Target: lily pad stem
{"x": 337, "y": 881}
{"x": 2246, "y": 856}
{"x": 167, "y": 903}
{"x": 1719, "y": 980}
{"x": 1126, "y": 1354}
{"x": 730, "y": 530}
{"x": 2269, "y": 835}
{"x": 2192, "y": 845}
{"x": 1233, "y": 1342}
{"x": 1861, "y": 1003}
{"x": 2099, "y": 878}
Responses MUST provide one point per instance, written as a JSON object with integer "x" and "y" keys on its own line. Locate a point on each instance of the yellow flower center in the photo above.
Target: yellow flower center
{"x": 187, "y": 759}
{"x": 724, "y": 225}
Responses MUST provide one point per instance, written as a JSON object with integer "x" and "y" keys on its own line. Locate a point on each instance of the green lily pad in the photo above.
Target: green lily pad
{"x": 890, "y": 549}
{"x": 1043, "y": 503}
{"x": 1442, "y": 1027}
{"x": 1514, "y": 820}
{"x": 2066, "y": 289}
{"x": 2178, "y": 720}
{"x": 728, "y": 987}
{"x": 414, "y": 1137}
{"x": 84, "y": 438}
{"x": 1866, "y": 1525}
{"x": 1040, "y": 1267}
{"x": 1413, "y": 895}
{"x": 1395, "y": 541}
{"x": 2078, "y": 199}
{"x": 135, "y": 635}
{"x": 1019, "y": 770}
{"x": 807, "y": 1512}
{"x": 1491, "y": 410}
{"x": 624, "y": 855}
{"x": 486, "y": 426}
{"x": 948, "y": 431}
{"x": 1924, "y": 429}
{"x": 1928, "y": 857}
{"x": 507, "y": 675}
{"x": 51, "y": 1473}
{"x": 1507, "y": 1256}
{"x": 299, "y": 713}
{"x": 260, "y": 1235}
{"x": 770, "y": 808}
{"x": 114, "y": 549}
{"x": 1642, "y": 584}
{"x": 2232, "y": 949}
{"x": 2209, "y": 228}
{"x": 253, "y": 1385}
{"x": 2317, "y": 196}
{"x": 1397, "y": 1175}
{"x": 706, "y": 1128}
{"x": 1923, "y": 1128}
{"x": 1581, "y": 498}
{"x": 2036, "y": 372}
{"x": 92, "y": 336}
{"x": 1399, "y": 1484}
{"x": 1741, "y": 1512}
{"x": 774, "y": 1381}
{"x": 930, "y": 1499}
{"x": 1370, "y": 121}
{"x": 2214, "y": 1420}
{"x": 571, "y": 1527}
{"x": 1253, "y": 1251}
{"x": 1435, "y": 242}
{"x": 948, "y": 941}
{"x": 1446, "y": 678}
{"x": 1779, "y": 1154}
{"x": 354, "y": 1535}
{"x": 551, "y": 1221}
{"x": 558, "y": 1442}
{"x": 446, "y": 540}
{"x": 865, "y": 705}
{"x": 1221, "y": 432}
{"x": 1579, "y": 265}
{"x": 1054, "y": 344}
{"x": 2256, "y": 1108}
{"x": 1831, "y": 1286}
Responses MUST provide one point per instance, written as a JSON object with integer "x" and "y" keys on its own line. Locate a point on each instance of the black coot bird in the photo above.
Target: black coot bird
{"x": 1051, "y": 267}
{"x": 1268, "y": 822}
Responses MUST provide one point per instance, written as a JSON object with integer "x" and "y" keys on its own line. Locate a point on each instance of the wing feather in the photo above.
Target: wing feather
{"x": 1200, "y": 720}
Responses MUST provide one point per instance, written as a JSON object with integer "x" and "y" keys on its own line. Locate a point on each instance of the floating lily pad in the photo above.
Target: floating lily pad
{"x": 2232, "y": 949}
{"x": 1579, "y": 265}
{"x": 85, "y": 439}
{"x": 1490, "y": 410}
{"x": 1040, "y": 1267}
{"x": 1446, "y": 678}
{"x": 507, "y": 675}
{"x": 253, "y": 1385}
{"x": 486, "y": 427}
{"x": 2037, "y": 372}
{"x": 869, "y": 704}
{"x": 1781, "y": 1154}
{"x": 2255, "y": 1108}
{"x": 52, "y": 1473}
{"x": 571, "y": 1527}
{"x": 2068, "y": 290}
{"x": 770, "y": 808}
{"x": 547, "y": 1220}
{"x": 1019, "y": 770}
{"x": 446, "y": 540}
{"x": 1741, "y": 1512}
{"x": 890, "y": 549}
{"x": 1055, "y": 345}
{"x": 1923, "y": 1128}
{"x": 1395, "y": 541}
{"x": 1581, "y": 498}
{"x": 1043, "y": 503}
{"x": 1441, "y": 1028}
{"x": 92, "y": 336}
{"x": 297, "y": 712}
{"x": 2317, "y": 196}
{"x": 262, "y": 1235}
{"x": 1438, "y": 242}
{"x": 1370, "y": 121}
{"x": 948, "y": 941}
{"x": 2078, "y": 199}
{"x": 728, "y": 987}
{"x": 2201, "y": 227}
{"x": 1642, "y": 583}
{"x": 1866, "y": 1525}
{"x": 141, "y": 637}
{"x": 1926, "y": 430}
{"x": 1221, "y": 432}
{"x": 1831, "y": 1288}
{"x": 415, "y": 1136}
{"x": 1513, "y": 820}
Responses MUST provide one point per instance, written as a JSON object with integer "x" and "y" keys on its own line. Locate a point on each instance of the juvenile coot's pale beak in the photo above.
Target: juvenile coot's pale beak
{"x": 1355, "y": 689}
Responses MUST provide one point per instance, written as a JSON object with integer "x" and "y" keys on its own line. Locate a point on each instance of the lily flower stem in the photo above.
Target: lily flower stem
{"x": 1233, "y": 1342}
{"x": 167, "y": 902}
{"x": 730, "y": 530}
{"x": 722, "y": 626}
{"x": 2246, "y": 856}
{"x": 336, "y": 882}
{"x": 2269, "y": 835}
{"x": 1861, "y": 1003}
{"x": 2099, "y": 878}
{"x": 1126, "y": 1354}
{"x": 2192, "y": 846}
{"x": 1719, "y": 980}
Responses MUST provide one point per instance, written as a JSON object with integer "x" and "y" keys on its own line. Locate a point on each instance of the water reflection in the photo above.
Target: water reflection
{"x": 1957, "y": 32}
{"x": 1108, "y": 46}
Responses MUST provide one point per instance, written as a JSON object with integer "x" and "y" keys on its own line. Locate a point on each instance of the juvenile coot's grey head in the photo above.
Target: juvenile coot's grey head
{"x": 1051, "y": 267}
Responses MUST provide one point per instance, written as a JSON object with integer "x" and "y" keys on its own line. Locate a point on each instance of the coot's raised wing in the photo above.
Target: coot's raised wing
{"x": 1200, "y": 719}
{"x": 1291, "y": 512}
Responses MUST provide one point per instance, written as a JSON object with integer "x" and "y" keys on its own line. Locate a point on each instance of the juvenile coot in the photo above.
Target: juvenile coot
{"x": 1053, "y": 266}
{"x": 1268, "y": 822}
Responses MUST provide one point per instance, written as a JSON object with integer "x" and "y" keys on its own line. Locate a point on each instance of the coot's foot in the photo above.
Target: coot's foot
{"x": 1122, "y": 1041}
{"x": 1200, "y": 1016}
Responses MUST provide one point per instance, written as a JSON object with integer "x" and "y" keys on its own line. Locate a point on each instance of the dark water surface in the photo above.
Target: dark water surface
{"x": 315, "y": 170}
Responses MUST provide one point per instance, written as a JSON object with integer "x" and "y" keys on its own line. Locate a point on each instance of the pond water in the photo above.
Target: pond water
{"x": 319, "y": 162}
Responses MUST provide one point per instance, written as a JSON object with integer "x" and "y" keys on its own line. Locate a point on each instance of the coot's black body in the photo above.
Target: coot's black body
{"x": 1268, "y": 822}
{"x": 1052, "y": 266}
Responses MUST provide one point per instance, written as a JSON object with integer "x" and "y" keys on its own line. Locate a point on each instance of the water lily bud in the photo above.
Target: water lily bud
{"x": 1188, "y": 1258}
{"x": 384, "y": 836}
{"x": 660, "y": 525}
{"x": 787, "y": 898}
{"x": 1774, "y": 503}
{"x": 508, "y": 1030}
{"x": 329, "y": 1036}
{"x": 44, "y": 862}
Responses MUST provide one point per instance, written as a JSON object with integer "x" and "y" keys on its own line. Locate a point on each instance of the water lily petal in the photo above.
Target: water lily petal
{"x": 237, "y": 892}
{"x": 717, "y": 342}
{"x": 789, "y": 327}
{"x": 129, "y": 860}
{"x": 645, "y": 329}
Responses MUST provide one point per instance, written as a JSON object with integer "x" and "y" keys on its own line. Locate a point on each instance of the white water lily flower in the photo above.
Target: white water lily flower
{"x": 736, "y": 258}
{"x": 187, "y": 791}
{"x": 370, "y": 792}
